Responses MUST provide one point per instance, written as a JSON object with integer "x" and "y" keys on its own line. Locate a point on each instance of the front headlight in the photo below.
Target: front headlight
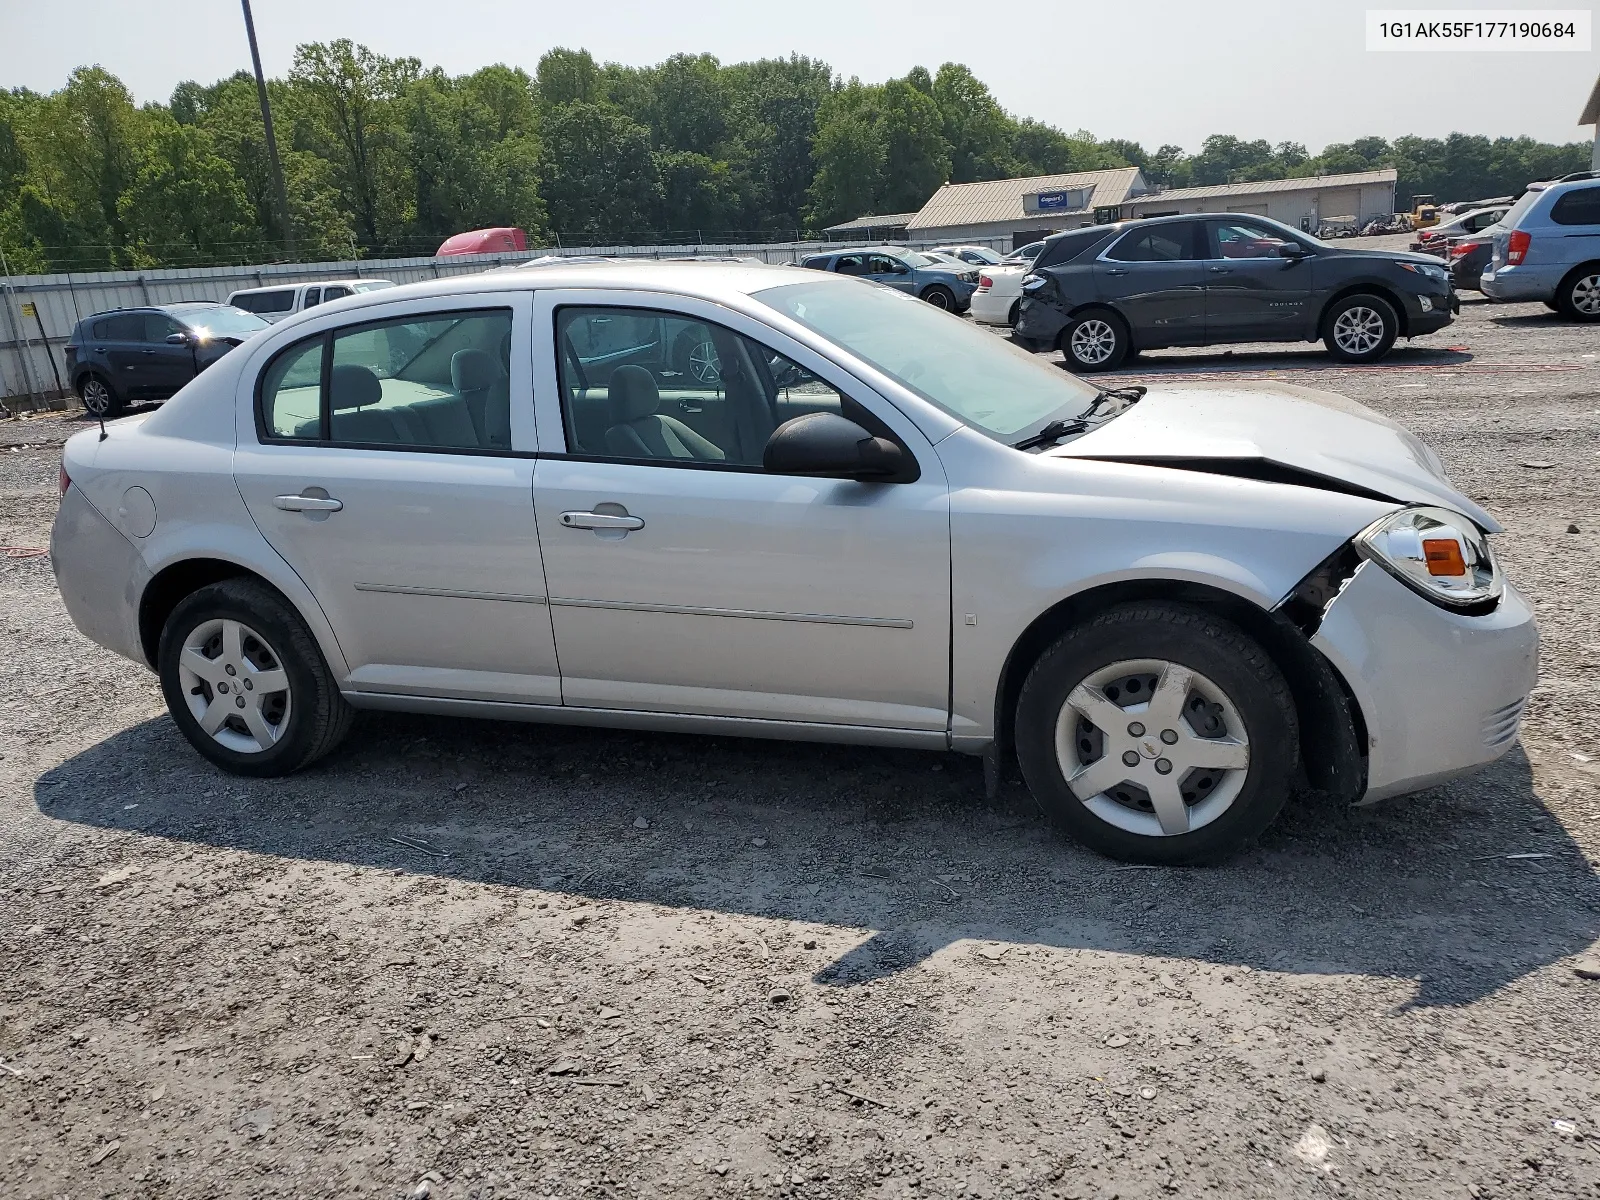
{"x": 1437, "y": 552}
{"x": 1427, "y": 271}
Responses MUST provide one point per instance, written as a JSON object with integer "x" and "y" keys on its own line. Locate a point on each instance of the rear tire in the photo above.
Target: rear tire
{"x": 1360, "y": 328}
{"x": 1578, "y": 297}
{"x": 1207, "y": 776}
{"x": 246, "y": 683}
{"x": 940, "y": 297}
{"x": 99, "y": 399}
{"x": 1095, "y": 340}
{"x": 1011, "y": 317}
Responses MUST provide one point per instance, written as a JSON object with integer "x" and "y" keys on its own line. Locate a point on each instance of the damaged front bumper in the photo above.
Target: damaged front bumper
{"x": 1440, "y": 693}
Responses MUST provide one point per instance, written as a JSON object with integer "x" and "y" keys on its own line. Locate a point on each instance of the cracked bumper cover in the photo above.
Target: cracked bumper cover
{"x": 1441, "y": 693}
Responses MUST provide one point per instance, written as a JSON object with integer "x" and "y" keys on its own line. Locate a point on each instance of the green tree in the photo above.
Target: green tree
{"x": 597, "y": 174}
{"x": 568, "y": 77}
{"x": 977, "y": 130}
{"x": 185, "y": 204}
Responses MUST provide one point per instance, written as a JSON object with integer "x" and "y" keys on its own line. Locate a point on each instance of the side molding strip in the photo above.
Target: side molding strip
{"x": 754, "y": 614}
{"x": 399, "y": 589}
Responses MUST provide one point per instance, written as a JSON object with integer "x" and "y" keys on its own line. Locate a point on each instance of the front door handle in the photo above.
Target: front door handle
{"x": 307, "y": 503}
{"x": 600, "y": 520}
{"x": 1220, "y": 270}
{"x": 1116, "y": 271}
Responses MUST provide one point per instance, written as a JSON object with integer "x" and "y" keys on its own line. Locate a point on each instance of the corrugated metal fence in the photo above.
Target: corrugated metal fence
{"x": 39, "y": 312}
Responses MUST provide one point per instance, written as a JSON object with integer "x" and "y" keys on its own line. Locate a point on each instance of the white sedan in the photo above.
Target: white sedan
{"x": 498, "y": 495}
{"x": 999, "y": 293}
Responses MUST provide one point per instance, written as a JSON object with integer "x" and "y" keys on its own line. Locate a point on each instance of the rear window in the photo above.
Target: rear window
{"x": 272, "y": 300}
{"x": 1578, "y": 207}
{"x": 816, "y": 264}
{"x": 125, "y": 327}
{"x": 1523, "y": 204}
{"x": 1067, "y": 247}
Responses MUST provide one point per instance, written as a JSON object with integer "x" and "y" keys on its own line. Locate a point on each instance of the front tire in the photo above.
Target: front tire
{"x": 1096, "y": 340}
{"x": 1578, "y": 297}
{"x": 245, "y": 682}
{"x": 940, "y": 297}
{"x": 1360, "y": 328}
{"x": 1158, "y": 733}
{"x": 98, "y": 398}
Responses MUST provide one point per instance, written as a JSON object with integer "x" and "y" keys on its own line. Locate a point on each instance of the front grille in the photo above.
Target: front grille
{"x": 1500, "y": 726}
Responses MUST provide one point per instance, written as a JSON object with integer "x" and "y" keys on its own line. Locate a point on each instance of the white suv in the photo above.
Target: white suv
{"x": 275, "y": 303}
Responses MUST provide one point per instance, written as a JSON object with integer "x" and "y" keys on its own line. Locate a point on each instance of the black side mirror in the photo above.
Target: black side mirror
{"x": 177, "y": 339}
{"x": 1291, "y": 250}
{"x": 828, "y": 445}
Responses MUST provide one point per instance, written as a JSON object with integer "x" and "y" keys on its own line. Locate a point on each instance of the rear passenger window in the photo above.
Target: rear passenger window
{"x": 428, "y": 383}
{"x": 437, "y": 382}
{"x": 1579, "y": 207}
{"x": 1163, "y": 243}
{"x": 291, "y": 392}
{"x": 1067, "y": 247}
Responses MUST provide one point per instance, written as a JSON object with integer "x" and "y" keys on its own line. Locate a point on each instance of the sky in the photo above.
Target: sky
{"x": 1155, "y": 71}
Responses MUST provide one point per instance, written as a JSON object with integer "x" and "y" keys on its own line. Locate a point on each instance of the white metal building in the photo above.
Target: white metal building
{"x": 1303, "y": 203}
{"x": 1024, "y": 210}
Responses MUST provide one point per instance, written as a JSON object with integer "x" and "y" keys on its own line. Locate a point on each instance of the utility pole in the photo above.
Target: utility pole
{"x": 272, "y": 142}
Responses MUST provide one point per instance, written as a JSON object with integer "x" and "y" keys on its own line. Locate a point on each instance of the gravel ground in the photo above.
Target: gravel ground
{"x": 484, "y": 960}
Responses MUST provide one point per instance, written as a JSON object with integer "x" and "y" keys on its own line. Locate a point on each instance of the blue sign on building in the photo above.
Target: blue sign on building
{"x": 1049, "y": 200}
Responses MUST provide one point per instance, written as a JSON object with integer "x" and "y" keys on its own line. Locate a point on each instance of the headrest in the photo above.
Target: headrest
{"x": 352, "y": 386}
{"x": 633, "y": 394}
{"x": 471, "y": 370}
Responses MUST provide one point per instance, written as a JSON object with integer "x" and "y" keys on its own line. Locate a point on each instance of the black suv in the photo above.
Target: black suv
{"x": 149, "y": 353}
{"x": 1103, "y": 293}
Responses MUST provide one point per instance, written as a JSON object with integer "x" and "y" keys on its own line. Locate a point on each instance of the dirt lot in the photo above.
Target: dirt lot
{"x": 618, "y": 965}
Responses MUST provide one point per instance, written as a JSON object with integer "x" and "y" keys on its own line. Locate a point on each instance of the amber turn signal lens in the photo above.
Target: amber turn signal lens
{"x": 1443, "y": 556}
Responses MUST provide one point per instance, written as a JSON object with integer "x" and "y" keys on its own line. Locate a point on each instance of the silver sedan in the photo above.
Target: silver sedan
{"x": 852, "y": 518}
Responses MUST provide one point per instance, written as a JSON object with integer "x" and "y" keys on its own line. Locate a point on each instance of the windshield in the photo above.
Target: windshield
{"x": 912, "y": 258}
{"x": 224, "y": 321}
{"x": 977, "y": 377}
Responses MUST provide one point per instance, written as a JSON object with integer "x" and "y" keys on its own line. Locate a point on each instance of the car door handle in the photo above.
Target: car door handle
{"x": 147, "y": 352}
{"x": 1221, "y": 270}
{"x": 307, "y": 503}
{"x": 595, "y": 520}
{"x": 1116, "y": 271}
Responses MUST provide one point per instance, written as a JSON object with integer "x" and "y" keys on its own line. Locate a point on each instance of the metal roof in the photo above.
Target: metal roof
{"x": 1261, "y": 186}
{"x": 1591, "y": 110}
{"x": 1001, "y": 199}
{"x": 883, "y": 221}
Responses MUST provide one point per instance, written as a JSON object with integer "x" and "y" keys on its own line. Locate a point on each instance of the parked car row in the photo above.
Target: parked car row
{"x": 1547, "y": 248}
{"x": 943, "y": 282}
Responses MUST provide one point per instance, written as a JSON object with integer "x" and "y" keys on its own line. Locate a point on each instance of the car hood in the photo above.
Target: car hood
{"x": 1389, "y": 255}
{"x": 1278, "y": 433}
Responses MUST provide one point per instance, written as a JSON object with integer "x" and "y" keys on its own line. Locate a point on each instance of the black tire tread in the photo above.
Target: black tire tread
{"x": 1563, "y": 302}
{"x": 1225, "y": 638}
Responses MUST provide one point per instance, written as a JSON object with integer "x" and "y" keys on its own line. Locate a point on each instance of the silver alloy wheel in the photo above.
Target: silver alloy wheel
{"x": 1093, "y": 341}
{"x": 96, "y": 396}
{"x": 1586, "y": 295}
{"x": 705, "y": 366}
{"x": 1358, "y": 330}
{"x": 235, "y": 685}
{"x": 1152, "y": 747}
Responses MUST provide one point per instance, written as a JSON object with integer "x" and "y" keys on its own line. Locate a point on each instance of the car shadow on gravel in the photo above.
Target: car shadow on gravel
{"x": 1223, "y": 362}
{"x": 1463, "y": 889}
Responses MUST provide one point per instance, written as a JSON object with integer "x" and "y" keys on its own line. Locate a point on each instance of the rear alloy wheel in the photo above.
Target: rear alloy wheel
{"x": 1360, "y": 329}
{"x": 1158, "y": 733}
{"x": 245, "y": 682}
{"x": 1579, "y": 297}
{"x": 940, "y": 297}
{"x": 98, "y": 398}
{"x": 1095, "y": 341}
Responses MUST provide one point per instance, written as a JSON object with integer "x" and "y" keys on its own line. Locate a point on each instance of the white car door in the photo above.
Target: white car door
{"x": 685, "y": 579}
{"x": 390, "y": 462}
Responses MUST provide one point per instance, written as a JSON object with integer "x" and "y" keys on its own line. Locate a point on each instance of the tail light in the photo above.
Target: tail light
{"x": 985, "y": 282}
{"x": 66, "y": 480}
{"x": 1517, "y": 246}
{"x": 1460, "y": 251}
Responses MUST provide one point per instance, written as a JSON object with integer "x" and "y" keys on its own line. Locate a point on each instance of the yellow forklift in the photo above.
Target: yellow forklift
{"x": 1424, "y": 212}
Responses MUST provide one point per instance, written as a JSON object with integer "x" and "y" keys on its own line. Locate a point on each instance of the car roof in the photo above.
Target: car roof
{"x": 276, "y": 287}
{"x": 706, "y": 280}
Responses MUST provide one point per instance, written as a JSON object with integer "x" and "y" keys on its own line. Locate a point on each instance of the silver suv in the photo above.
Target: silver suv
{"x": 1548, "y": 248}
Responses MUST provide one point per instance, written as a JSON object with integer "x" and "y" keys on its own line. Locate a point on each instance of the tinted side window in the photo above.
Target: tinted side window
{"x": 157, "y": 326}
{"x": 291, "y": 392}
{"x": 1160, "y": 243}
{"x": 1242, "y": 239}
{"x": 125, "y": 327}
{"x": 429, "y": 382}
{"x": 1067, "y": 247}
{"x": 816, "y": 264}
{"x": 313, "y": 298}
{"x": 1578, "y": 207}
{"x": 274, "y": 300}
{"x": 851, "y": 264}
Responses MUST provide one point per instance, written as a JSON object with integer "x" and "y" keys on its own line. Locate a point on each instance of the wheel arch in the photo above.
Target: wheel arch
{"x": 1382, "y": 291}
{"x": 1568, "y": 279}
{"x": 1333, "y": 737}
